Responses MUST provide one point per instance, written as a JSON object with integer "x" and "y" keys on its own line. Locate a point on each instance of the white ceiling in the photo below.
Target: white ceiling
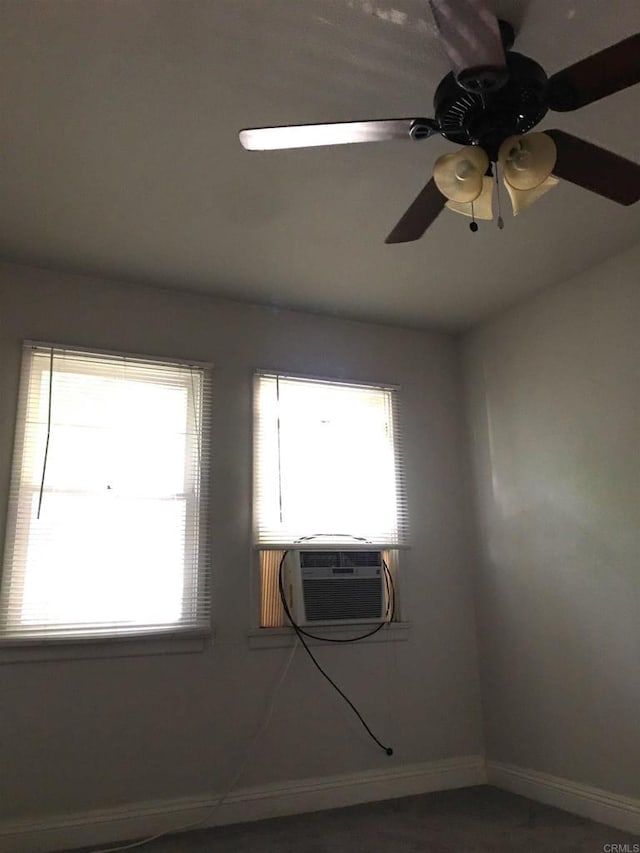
{"x": 121, "y": 157}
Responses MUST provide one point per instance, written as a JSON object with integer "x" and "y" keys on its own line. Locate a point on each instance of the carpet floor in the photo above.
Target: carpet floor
{"x": 469, "y": 820}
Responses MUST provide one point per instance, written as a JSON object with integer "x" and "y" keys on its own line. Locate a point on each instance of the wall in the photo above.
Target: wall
{"x": 553, "y": 389}
{"x": 89, "y": 733}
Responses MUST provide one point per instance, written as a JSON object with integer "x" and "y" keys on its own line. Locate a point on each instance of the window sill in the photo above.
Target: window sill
{"x": 273, "y": 638}
{"x": 26, "y": 651}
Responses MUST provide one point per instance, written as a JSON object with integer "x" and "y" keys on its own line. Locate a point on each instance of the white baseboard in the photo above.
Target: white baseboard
{"x": 612, "y": 809}
{"x": 106, "y": 826}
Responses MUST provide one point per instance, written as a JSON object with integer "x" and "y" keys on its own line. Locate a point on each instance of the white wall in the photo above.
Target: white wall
{"x": 553, "y": 390}
{"x": 90, "y": 733}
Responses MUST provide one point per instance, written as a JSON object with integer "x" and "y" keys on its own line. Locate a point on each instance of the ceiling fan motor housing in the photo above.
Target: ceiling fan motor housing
{"x": 485, "y": 78}
{"x": 487, "y": 119}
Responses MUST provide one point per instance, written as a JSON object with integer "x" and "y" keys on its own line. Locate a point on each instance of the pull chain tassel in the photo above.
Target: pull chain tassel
{"x": 500, "y": 219}
{"x": 473, "y": 225}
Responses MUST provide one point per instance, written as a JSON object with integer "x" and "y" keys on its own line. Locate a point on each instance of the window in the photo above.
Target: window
{"x": 327, "y": 467}
{"x": 106, "y": 534}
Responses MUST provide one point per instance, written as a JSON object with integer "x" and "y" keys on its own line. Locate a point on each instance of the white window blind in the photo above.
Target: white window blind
{"x": 106, "y": 532}
{"x": 327, "y": 463}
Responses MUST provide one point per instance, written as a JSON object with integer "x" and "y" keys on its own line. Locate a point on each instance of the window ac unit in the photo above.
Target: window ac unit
{"x": 324, "y": 587}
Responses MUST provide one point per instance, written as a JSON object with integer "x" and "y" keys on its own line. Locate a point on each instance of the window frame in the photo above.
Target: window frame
{"x": 400, "y": 541}
{"x": 277, "y": 626}
{"x": 190, "y": 632}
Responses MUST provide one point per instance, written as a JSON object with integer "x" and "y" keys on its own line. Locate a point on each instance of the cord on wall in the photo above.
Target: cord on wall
{"x": 235, "y": 778}
{"x": 301, "y": 634}
{"x": 46, "y": 447}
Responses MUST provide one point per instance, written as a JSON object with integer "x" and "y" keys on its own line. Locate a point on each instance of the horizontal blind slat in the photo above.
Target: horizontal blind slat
{"x": 354, "y": 489}
{"x": 120, "y": 547}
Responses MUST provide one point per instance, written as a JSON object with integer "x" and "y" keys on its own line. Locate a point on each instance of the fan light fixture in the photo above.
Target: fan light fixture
{"x": 492, "y": 95}
{"x": 482, "y": 206}
{"x": 458, "y": 176}
{"x": 526, "y": 163}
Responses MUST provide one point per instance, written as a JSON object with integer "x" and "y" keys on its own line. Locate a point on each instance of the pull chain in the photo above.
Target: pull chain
{"x": 500, "y": 219}
{"x": 473, "y": 225}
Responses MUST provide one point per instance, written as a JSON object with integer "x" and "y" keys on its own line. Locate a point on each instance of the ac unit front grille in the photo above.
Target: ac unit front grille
{"x": 317, "y": 559}
{"x": 342, "y": 599}
{"x": 360, "y": 558}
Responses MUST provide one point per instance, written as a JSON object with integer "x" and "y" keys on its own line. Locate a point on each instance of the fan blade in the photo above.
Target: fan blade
{"x": 470, "y": 35}
{"x": 595, "y": 168}
{"x": 601, "y": 74}
{"x": 419, "y": 216}
{"x": 339, "y": 133}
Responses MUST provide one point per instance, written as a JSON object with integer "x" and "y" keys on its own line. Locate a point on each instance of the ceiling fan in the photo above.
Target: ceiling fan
{"x": 488, "y": 103}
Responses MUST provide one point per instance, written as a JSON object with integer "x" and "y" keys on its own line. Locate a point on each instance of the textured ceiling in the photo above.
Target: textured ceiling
{"x": 120, "y": 153}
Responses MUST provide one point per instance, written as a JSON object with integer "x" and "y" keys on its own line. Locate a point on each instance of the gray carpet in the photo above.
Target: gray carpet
{"x": 469, "y": 820}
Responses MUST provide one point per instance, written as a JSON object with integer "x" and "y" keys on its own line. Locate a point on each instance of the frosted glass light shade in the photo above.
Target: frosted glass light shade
{"x": 459, "y": 176}
{"x": 522, "y": 199}
{"x": 482, "y": 205}
{"x": 527, "y": 161}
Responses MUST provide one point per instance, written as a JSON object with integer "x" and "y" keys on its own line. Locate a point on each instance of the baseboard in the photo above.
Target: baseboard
{"x": 106, "y": 826}
{"x": 612, "y": 809}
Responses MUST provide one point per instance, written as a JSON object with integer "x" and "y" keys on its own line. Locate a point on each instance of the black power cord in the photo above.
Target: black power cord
{"x": 302, "y": 634}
